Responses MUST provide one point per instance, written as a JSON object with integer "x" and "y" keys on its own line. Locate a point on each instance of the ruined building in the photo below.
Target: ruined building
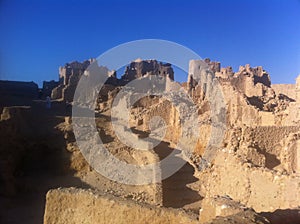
{"x": 139, "y": 68}
{"x": 243, "y": 167}
{"x": 69, "y": 76}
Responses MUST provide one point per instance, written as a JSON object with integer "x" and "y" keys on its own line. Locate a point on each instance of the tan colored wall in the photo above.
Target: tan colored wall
{"x": 86, "y": 207}
{"x": 267, "y": 118}
{"x": 262, "y": 189}
{"x": 290, "y": 153}
{"x": 268, "y": 137}
{"x": 286, "y": 89}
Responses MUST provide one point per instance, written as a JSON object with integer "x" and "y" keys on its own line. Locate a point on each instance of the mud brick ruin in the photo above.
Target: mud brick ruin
{"x": 253, "y": 177}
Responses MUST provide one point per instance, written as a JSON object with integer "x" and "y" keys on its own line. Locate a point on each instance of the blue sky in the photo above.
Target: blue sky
{"x": 39, "y": 36}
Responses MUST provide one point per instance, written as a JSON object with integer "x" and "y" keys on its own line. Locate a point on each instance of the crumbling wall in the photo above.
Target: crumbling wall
{"x": 262, "y": 145}
{"x": 69, "y": 75}
{"x": 140, "y": 68}
{"x": 151, "y": 193}
{"x": 290, "y": 153}
{"x": 268, "y": 139}
{"x": 213, "y": 65}
{"x": 16, "y": 93}
{"x": 20, "y": 89}
{"x": 29, "y": 143}
{"x": 286, "y": 89}
{"x": 48, "y": 86}
{"x": 169, "y": 114}
{"x": 85, "y": 206}
{"x": 255, "y": 187}
{"x": 224, "y": 206}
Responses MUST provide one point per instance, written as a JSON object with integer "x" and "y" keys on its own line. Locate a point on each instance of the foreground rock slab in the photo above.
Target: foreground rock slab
{"x": 71, "y": 205}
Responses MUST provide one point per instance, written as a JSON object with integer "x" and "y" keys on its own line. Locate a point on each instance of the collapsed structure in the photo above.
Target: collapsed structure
{"x": 254, "y": 168}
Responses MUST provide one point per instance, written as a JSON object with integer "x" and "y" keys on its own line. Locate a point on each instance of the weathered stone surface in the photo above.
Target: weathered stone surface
{"x": 248, "y": 216}
{"x": 256, "y": 163}
{"x": 140, "y": 68}
{"x": 285, "y": 89}
{"x": 85, "y": 206}
{"x": 69, "y": 76}
{"x": 214, "y": 66}
{"x": 290, "y": 153}
{"x": 258, "y": 188}
{"x": 224, "y": 206}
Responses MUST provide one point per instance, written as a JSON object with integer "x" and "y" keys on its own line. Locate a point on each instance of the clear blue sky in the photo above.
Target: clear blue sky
{"x": 37, "y": 36}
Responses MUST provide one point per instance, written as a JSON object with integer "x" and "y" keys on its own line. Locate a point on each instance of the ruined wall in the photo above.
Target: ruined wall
{"x": 244, "y": 92}
{"x": 15, "y": 93}
{"x": 258, "y": 188}
{"x": 262, "y": 145}
{"x": 200, "y": 78}
{"x": 26, "y": 137}
{"x": 85, "y": 206}
{"x": 224, "y": 206}
{"x": 69, "y": 75}
{"x": 21, "y": 89}
{"x": 213, "y": 65}
{"x": 290, "y": 153}
{"x": 248, "y": 95}
{"x": 286, "y": 89}
{"x": 139, "y": 68}
{"x": 169, "y": 114}
{"x": 268, "y": 138}
{"x": 297, "y": 105}
{"x": 151, "y": 193}
{"x": 48, "y": 86}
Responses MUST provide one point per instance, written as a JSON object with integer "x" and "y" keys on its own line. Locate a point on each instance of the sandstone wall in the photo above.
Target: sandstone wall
{"x": 85, "y": 206}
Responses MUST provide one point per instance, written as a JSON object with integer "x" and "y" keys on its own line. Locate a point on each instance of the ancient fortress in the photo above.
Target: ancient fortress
{"x": 252, "y": 177}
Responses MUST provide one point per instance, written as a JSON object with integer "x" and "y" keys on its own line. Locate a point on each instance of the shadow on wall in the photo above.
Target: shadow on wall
{"x": 271, "y": 159}
{"x": 175, "y": 191}
{"x": 280, "y": 216}
{"x": 37, "y": 160}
